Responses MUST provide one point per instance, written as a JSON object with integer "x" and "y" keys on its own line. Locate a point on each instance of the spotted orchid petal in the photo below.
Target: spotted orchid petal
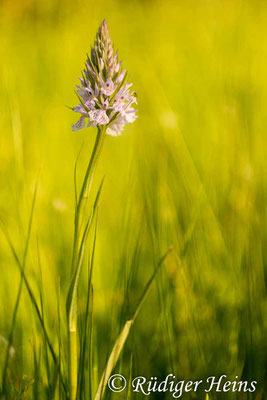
{"x": 103, "y": 92}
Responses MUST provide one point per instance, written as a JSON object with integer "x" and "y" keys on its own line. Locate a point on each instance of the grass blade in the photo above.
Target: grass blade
{"x": 70, "y": 305}
{"x": 23, "y": 265}
{"x": 119, "y": 344}
{"x": 75, "y": 177}
{"x": 36, "y": 307}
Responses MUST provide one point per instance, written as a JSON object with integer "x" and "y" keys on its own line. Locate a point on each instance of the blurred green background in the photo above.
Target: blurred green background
{"x": 190, "y": 173}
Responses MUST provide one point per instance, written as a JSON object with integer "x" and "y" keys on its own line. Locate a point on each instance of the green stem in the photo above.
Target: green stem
{"x": 101, "y": 133}
{"x": 72, "y": 318}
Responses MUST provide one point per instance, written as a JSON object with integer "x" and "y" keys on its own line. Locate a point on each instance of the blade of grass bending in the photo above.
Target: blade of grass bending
{"x": 34, "y": 301}
{"x": 118, "y": 346}
{"x": 148, "y": 285}
{"x": 14, "y": 316}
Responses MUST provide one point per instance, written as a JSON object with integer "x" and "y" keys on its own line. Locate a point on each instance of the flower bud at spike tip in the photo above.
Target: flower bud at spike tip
{"x": 105, "y": 98}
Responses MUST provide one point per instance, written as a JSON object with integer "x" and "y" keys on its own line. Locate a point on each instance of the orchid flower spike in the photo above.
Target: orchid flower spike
{"x": 105, "y": 97}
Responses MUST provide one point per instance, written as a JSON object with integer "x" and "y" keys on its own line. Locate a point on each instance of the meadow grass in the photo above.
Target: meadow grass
{"x": 190, "y": 173}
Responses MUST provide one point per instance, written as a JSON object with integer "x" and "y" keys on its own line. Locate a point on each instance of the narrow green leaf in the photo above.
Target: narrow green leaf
{"x": 71, "y": 297}
{"x": 14, "y": 316}
{"x": 86, "y": 328}
{"x": 119, "y": 344}
{"x": 36, "y": 307}
{"x": 75, "y": 177}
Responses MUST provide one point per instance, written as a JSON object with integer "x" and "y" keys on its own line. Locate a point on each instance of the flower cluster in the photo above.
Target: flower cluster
{"x": 105, "y": 97}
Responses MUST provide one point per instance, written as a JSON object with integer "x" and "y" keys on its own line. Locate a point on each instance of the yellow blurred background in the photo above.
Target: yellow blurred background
{"x": 189, "y": 173}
